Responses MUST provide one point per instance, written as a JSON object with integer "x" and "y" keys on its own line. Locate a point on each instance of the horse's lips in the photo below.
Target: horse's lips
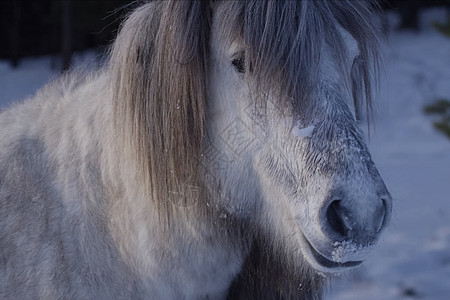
{"x": 322, "y": 260}
{"x": 325, "y": 263}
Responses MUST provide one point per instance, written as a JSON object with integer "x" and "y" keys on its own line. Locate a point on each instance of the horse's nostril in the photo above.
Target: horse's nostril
{"x": 384, "y": 215}
{"x": 359, "y": 224}
{"x": 336, "y": 218}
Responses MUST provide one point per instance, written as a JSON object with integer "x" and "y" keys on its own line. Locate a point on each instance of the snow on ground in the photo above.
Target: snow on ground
{"x": 33, "y": 73}
{"x": 412, "y": 261}
{"x": 16, "y": 84}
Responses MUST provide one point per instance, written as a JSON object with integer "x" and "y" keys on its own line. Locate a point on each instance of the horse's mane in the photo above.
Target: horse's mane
{"x": 160, "y": 59}
{"x": 159, "y": 64}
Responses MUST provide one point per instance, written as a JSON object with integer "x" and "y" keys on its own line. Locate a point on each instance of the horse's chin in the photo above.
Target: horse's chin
{"x": 322, "y": 264}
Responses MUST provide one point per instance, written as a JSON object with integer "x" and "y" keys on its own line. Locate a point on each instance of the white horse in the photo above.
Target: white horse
{"x": 216, "y": 155}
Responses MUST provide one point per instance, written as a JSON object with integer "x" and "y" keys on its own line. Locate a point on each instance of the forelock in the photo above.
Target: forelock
{"x": 283, "y": 42}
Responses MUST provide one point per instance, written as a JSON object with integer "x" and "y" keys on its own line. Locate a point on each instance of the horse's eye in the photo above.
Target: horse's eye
{"x": 239, "y": 64}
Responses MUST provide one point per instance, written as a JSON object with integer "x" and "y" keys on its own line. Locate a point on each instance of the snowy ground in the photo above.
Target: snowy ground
{"x": 412, "y": 260}
{"x": 33, "y": 73}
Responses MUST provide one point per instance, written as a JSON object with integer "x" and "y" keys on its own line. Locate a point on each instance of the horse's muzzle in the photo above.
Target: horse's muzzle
{"x": 348, "y": 230}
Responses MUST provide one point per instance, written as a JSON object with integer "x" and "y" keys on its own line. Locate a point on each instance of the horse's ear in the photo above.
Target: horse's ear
{"x": 159, "y": 61}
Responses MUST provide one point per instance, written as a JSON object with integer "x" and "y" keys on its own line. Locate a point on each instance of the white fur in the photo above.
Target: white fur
{"x": 78, "y": 221}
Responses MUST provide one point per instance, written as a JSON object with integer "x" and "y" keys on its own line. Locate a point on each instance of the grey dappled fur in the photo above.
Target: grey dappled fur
{"x": 99, "y": 169}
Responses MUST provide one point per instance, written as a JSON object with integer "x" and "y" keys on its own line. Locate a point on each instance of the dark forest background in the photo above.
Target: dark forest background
{"x": 61, "y": 27}
{"x": 41, "y": 27}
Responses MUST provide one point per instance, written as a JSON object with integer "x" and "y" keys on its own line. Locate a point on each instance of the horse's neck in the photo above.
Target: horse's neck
{"x": 185, "y": 255}
{"x": 147, "y": 241}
